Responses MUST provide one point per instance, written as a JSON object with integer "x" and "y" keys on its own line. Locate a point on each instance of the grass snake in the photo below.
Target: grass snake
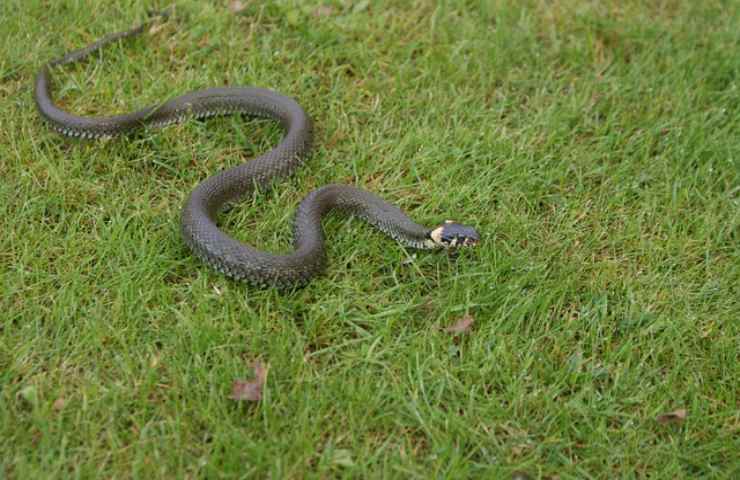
{"x": 198, "y": 220}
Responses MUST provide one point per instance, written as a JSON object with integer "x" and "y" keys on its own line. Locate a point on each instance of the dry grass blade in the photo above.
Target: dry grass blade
{"x": 250, "y": 390}
{"x": 463, "y": 325}
{"x": 676, "y": 416}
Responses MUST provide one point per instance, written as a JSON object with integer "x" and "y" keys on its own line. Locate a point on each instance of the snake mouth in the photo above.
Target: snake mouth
{"x": 454, "y": 235}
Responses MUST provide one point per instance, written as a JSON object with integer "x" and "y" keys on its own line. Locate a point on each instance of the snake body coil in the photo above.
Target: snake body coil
{"x": 198, "y": 221}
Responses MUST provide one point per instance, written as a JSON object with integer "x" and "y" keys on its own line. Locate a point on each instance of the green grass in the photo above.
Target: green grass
{"x": 596, "y": 146}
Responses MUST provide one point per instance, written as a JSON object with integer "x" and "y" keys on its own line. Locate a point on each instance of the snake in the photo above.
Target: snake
{"x": 198, "y": 220}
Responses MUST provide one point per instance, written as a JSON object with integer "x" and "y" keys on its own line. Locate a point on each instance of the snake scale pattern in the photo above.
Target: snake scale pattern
{"x": 198, "y": 220}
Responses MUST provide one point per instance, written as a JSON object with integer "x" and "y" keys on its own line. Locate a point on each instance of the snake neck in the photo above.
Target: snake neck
{"x": 387, "y": 218}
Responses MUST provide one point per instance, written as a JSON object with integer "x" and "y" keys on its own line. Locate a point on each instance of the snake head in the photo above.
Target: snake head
{"x": 452, "y": 235}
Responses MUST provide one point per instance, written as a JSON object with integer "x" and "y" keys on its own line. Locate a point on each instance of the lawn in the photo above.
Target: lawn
{"x": 594, "y": 144}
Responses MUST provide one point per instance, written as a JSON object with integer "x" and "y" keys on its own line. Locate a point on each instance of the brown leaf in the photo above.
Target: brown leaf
{"x": 236, "y": 6}
{"x": 250, "y": 390}
{"x": 58, "y": 404}
{"x": 676, "y": 416}
{"x": 463, "y": 325}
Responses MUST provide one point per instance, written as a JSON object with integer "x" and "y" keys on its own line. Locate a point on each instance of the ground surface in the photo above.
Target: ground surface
{"x": 594, "y": 144}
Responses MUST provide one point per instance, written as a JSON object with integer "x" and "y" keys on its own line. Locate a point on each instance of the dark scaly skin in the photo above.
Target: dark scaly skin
{"x": 198, "y": 220}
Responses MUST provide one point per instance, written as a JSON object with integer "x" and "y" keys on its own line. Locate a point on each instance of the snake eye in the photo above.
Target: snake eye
{"x": 453, "y": 235}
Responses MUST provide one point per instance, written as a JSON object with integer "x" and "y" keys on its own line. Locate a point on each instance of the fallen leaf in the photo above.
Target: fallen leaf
{"x": 676, "y": 416}
{"x": 236, "y": 6}
{"x": 323, "y": 11}
{"x": 463, "y": 325}
{"x": 58, "y": 404}
{"x": 250, "y": 390}
{"x": 36, "y": 437}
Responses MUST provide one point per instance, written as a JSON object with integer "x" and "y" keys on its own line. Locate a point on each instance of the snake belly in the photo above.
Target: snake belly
{"x": 198, "y": 219}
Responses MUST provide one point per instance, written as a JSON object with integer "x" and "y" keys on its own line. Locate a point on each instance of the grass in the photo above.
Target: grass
{"x": 594, "y": 144}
